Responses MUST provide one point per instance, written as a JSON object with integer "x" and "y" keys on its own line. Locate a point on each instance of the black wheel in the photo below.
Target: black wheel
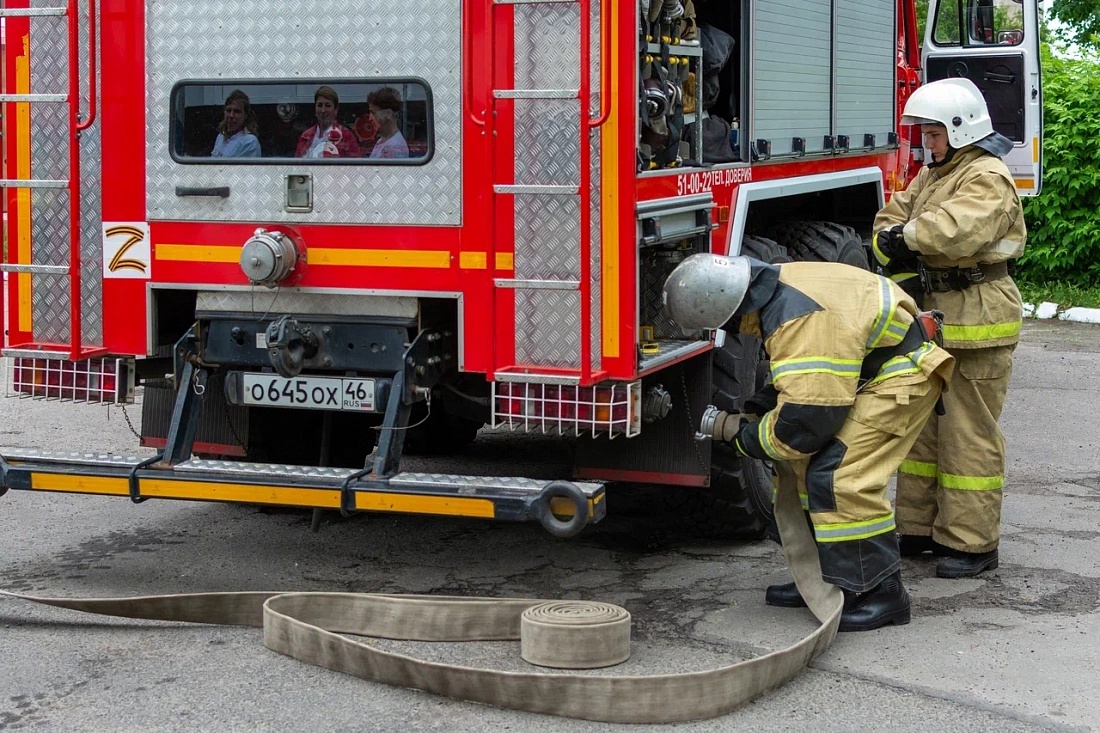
{"x": 821, "y": 241}
{"x": 738, "y": 502}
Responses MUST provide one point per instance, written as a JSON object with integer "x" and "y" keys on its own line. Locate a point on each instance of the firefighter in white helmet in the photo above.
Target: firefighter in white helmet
{"x": 854, "y": 378}
{"x": 960, "y": 225}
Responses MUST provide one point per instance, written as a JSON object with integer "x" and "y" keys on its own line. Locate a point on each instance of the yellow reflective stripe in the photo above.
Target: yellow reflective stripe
{"x": 882, "y": 258}
{"x": 763, "y": 433}
{"x": 886, "y": 306}
{"x": 905, "y": 364}
{"x": 740, "y": 448}
{"x": 971, "y": 483}
{"x": 898, "y": 329}
{"x": 982, "y": 333}
{"x": 903, "y": 276}
{"x": 848, "y": 531}
{"x": 951, "y": 480}
{"x": 816, "y": 365}
{"x": 919, "y": 468}
{"x": 892, "y": 369}
{"x": 803, "y": 499}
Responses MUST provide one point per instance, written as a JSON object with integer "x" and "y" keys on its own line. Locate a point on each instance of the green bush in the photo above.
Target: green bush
{"x": 1064, "y": 220}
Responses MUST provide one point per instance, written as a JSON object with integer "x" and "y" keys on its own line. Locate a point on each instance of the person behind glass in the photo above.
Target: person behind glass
{"x": 328, "y": 138}
{"x": 237, "y": 131}
{"x": 385, "y": 106}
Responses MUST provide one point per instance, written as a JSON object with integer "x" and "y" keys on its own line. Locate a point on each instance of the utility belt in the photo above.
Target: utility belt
{"x": 927, "y": 326}
{"x": 947, "y": 279}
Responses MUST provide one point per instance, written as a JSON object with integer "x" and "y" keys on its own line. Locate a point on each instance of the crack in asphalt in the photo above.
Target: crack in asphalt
{"x": 1029, "y": 591}
{"x": 621, "y": 564}
{"x": 1033, "y": 484}
{"x": 74, "y": 563}
{"x": 1073, "y": 534}
{"x": 958, "y": 698}
{"x": 34, "y": 709}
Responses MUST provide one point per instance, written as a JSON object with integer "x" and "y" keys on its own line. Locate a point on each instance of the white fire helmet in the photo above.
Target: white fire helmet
{"x": 956, "y": 104}
{"x": 705, "y": 290}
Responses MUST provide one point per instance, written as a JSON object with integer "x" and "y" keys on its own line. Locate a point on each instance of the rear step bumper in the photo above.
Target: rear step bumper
{"x": 564, "y": 508}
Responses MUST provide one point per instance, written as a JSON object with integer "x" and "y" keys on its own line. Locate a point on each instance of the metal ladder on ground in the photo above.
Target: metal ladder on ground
{"x": 581, "y": 189}
{"x": 78, "y": 121}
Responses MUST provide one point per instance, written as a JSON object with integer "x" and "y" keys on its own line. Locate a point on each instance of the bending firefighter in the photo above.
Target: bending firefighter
{"x": 958, "y": 226}
{"x": 854, "y": 378}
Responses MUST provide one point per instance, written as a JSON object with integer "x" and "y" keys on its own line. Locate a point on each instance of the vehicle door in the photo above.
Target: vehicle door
{"x": 995, "y": 44}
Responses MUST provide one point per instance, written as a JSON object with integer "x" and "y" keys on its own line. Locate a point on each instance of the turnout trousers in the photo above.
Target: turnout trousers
{"x": 843, "y": 486}
{"x": 950, "y": 485}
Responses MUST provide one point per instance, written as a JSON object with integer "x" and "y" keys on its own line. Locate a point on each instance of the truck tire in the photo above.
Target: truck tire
{"x": 821, "y": 241}
{"x": 738, "y": 502}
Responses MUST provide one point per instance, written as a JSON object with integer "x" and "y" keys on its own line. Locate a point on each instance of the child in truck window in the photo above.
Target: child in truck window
{"x": 237, "y": 131}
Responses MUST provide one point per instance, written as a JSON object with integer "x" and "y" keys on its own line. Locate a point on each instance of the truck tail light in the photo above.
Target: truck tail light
{"x": 90, "y": 380}
{"x": 612, "y": 409}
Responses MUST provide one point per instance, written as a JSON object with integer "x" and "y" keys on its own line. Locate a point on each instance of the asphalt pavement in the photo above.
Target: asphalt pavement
{"x": 1014, "y": 650}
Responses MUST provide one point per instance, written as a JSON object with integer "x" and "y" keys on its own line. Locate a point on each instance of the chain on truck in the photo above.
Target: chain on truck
{"x": 501, "y": 190}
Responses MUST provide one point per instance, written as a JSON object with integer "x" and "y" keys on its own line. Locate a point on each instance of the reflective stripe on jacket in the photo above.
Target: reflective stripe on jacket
{"x": 963, "y": 213}
{"x": 818, "y": 326}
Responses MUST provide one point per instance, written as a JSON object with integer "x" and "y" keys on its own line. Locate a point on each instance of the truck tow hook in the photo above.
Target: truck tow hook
{"x": 290, "y": 344}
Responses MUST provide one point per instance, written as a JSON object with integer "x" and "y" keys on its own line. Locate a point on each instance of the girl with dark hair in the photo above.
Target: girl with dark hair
{"x": 237, "y": 131}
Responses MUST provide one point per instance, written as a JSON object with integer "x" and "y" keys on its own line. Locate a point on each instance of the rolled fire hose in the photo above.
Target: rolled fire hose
{"x": 311, "y": 627}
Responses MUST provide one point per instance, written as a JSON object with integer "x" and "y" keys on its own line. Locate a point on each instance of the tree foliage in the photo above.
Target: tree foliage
{"x": 1007, "y": 15}
{"x": 1064, "y": 220}
{"x": 1083, "y": 20}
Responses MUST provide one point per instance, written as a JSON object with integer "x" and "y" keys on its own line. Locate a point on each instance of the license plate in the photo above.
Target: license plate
{"x": 312, "y": 393}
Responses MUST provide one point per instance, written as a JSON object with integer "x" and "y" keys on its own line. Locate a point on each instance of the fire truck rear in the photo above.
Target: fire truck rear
{"x": 320, "y": 235}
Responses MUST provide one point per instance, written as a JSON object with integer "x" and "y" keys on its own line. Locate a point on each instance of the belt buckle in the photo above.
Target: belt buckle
{"x": 975, "y": 274}
{"x": 924, "y": 276}
{"x": 938, "y": 281}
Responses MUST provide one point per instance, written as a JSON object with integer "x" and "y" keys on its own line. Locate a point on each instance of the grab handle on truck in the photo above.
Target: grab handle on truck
{"x": 219, "y": 191}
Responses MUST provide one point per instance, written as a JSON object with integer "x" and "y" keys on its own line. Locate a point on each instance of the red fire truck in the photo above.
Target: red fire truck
{"x": 318, "y": 234}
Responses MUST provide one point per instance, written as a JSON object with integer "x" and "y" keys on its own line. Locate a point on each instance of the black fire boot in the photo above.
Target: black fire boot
{"x": 967, "y": 564}
{"x": 785, "y": 595}
{"x": 886, "y": 603}
{"x": 912, "y": 545}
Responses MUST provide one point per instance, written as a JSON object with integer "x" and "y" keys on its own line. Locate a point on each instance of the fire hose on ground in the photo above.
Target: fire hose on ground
{"x": 317, "y": 627}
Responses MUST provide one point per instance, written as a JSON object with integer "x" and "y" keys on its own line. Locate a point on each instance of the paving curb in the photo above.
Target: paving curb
{"x": 1050, "y": 310}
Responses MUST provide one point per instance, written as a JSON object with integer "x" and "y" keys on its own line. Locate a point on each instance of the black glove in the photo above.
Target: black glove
{"x": 889, "y": 244}
{"x": 764, "y": 401}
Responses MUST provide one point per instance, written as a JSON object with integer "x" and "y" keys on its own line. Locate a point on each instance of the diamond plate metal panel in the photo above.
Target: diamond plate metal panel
{"x": 596, "y": 260}
{"x": 548, "y": 247}
{"x": 548, "y": 140}
{"x": 49, "y": 50}
{"x": 91, "y": 206}
{"x": 547, "y": 229}
{"x": 246, "y": 40}
{"x": 259, "y": 301}
{"x": 656, "y": 267}
{"x": 548, "y": 52}
{"x": 597, "y": 194}
{"x": 547, "y": 237}
{"x": 548, "y": 328}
